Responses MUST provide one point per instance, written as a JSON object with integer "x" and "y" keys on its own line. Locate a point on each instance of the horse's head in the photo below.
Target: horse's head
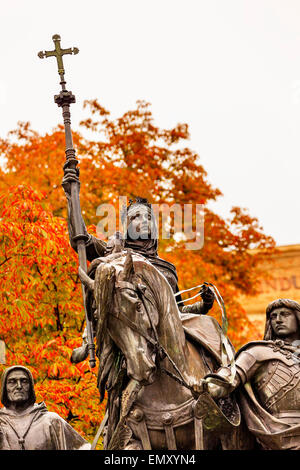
{"x": 125, "y": 314}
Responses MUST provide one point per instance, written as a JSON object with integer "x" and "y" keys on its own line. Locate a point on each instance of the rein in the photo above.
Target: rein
{"x": 121, "y": 285}
{"x": 154, "y": 342}
{"x": 225, "y": 343}
{"x": 226, "y": 349}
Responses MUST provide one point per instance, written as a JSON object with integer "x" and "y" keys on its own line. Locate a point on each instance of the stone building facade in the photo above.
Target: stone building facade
{"x": 284, "y": 283}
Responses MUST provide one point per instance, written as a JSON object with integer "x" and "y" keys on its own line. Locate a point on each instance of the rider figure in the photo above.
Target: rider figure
{"x": 141, "y": 237}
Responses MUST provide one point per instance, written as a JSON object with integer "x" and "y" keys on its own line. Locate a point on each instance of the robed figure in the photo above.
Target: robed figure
{"x": 139, "y": 219}
{"x": 27, "y": 425}
{"x": 200, "y": 329}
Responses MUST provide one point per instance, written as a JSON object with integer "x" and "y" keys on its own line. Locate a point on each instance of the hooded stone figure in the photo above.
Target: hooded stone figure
{"x": 268, "y": 379}
{"x": 31, "y": 393}
{"x": 27, "y": 425}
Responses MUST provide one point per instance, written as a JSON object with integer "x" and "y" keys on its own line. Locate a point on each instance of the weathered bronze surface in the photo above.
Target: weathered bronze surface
{"x": 152, "y": 357}
{"x": 137, "y": 214}
{"x": 27, "y": 425}
{"x": 58, "y": 53}
{"x": 268, "y": 379}
{"x": 154, "y": 353}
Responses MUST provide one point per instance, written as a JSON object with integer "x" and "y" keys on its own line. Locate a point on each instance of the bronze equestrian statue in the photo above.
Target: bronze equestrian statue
{"x": 118, "y": 362}
{"x": 140, "y": 219}
{"x": 152, "y": 358}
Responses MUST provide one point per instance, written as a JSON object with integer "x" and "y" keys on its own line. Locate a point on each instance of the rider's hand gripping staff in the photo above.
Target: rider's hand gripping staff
{"x": 71, "y": 178}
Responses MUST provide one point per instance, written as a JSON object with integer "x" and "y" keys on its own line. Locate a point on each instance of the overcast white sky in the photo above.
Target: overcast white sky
{"x": 229, "y": 68}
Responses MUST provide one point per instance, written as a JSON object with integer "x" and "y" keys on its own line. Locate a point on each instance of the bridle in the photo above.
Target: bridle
{"x": 161, "y": 352}
{"x": 124, "y": 285}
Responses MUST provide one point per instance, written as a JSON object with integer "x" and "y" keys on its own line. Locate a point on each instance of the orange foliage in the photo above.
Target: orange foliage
{"x": 41, "y": 306}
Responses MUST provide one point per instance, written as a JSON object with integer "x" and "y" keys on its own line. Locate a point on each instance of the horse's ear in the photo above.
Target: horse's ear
{"x": 128, "y": 269}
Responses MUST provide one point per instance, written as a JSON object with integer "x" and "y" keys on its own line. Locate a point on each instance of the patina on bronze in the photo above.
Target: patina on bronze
{"x": 268, "y": 379}
{"x": 129, "y": 382}
{"x": 138, "y": 214}
{"x": 64, "y": 100}
{"x": 152, "y": 357}
{"x": 58, "y": 53}
{"x": 27, "y": 425}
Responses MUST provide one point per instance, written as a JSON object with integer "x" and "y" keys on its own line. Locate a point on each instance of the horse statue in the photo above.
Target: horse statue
{"x": 152, "y": 358}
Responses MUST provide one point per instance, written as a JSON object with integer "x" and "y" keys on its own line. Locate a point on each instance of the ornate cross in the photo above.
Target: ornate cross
{"x": 58, "y": 53}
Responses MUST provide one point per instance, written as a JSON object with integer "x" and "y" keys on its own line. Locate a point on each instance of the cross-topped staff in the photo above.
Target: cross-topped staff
{"x": 63, "y": 100}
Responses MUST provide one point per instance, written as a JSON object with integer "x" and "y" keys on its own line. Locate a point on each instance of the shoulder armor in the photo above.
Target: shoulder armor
{"x": 266, "y": 351}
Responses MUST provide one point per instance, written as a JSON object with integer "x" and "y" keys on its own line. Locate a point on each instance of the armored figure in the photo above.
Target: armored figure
{"x": 268, "y": 379}
{"x": 27, "y": 425}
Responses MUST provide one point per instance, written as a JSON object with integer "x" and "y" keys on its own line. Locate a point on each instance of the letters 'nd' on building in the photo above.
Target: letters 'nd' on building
{"x": 285, "y": 283}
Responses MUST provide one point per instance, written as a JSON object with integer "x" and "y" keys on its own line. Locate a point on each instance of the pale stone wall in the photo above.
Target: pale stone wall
{"x": 285, "y": 283}
{"x": 2, "y": 352}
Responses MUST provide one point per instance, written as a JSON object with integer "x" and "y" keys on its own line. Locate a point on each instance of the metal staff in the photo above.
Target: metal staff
{"x": 63, "y": 100}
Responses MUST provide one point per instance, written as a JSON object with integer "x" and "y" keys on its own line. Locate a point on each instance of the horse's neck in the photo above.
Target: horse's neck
{"x": 169, "y": 327}
{"x": 170, "y": 330}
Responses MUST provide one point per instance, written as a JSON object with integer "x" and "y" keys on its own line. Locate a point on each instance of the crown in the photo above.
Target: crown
{"x": 138, "y": 201}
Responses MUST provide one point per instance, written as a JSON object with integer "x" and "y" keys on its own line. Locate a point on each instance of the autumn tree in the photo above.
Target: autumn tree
{"x": 41, "y": 305}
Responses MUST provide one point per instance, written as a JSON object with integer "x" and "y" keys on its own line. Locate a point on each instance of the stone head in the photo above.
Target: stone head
{"x": 140, "y": 220}
{"x": 17, "y": 387}
{"x": 283, "y": 320}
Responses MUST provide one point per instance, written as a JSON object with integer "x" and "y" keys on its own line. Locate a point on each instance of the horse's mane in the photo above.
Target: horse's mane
{"x": 156, "y": 283}
{"x": 158, "y": 292}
